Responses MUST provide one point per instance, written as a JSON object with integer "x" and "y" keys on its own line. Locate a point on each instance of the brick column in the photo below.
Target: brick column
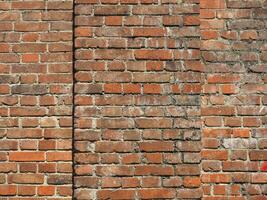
{"x": 36, "y": 99}
{"x": 233, "y": 48}
{"x": 137, "y": 100}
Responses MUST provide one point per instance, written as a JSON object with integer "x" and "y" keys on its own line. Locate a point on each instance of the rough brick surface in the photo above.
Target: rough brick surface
{"x": 165, "y": 99}
{"x": 233, "y": 48}
{"x": 137, "y": 100}
{"x": 36, "y": 99}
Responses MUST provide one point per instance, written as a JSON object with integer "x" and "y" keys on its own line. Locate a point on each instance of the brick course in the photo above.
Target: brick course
{"x": 117, "y": 99}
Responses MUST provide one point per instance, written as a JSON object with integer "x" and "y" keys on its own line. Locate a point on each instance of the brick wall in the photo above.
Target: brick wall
{"x": 35, "y": 99}
{"x": 233, "y": 109}
{"x": 159, "y": 99}
{"x": 137, "y": 102}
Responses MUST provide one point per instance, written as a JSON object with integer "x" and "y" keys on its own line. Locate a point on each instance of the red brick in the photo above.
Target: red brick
{"x": 219, "y": 4}
{"x": 113, "y": 88}
{"x": 121, "y": 194}
{"x": 156, "y": 146}
{"x": 28, "y": 167}
{"x": 26, "y": 190}
{"x": 209, "y": 34}
{"x": 26, "y": 178}
{"x": 152, "y": 89}
{"x": 8, "y": 167}
{"x": 154, "y": 170}
{"x": 151, "y": 9}
{"x": 58, "y": 156}
{"x": 111, "y": 182}
{"x": 153, "y": 55}
{"x": 191, "y": 20}
{"x": 26, "y": 156}
{"x": 258, "y": 155}
{"x": 149, "y": 32}
{"x": 153, "y": 123}
{"x": 172, "y": 20}
{"x": 30, "y": 58}
{"x": 131, "y": 88}
{"x": 192, "y": 182}
{"x": 156, "y": 193}
{"x": 207, "y": 13}
{"x": 172, "y": 182}
{"x": 8, "y": 190}
{"x": 189, "y": 193}
{"x": 46, "y": 190}
{"x": 113, "y": 21}
{"x": 130, "y": 182}
{"x": 187, "y": 169}
{"x": 229, "y": 89}
{"x": 214, "y": 154}
{"x": 259, "y": 178}
{"x": 83, "y": 32}
{"x": 30, "y": 5}
{"x": 222, "y": 110}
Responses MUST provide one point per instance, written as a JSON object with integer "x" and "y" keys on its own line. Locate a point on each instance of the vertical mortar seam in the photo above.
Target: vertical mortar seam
{"x": 73, "y": 95}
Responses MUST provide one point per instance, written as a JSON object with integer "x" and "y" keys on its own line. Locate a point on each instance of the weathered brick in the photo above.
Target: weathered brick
{"x": 30, "y": 5}
{"x": 153, "y": 54}
{"x": 26, "y": 178}
{"x": 111, "y": 10}
{"x": 29, "y": 89}
{"x": 153, "y": 123}
{"x": 154, "y": 170}
{"x": 150, "y": 10}
{"x": 59, "y": 179}
{"x": 156, "y": 193}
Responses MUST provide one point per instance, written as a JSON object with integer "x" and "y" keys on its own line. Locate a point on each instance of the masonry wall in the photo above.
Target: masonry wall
{"x": 233, "y": 109}
{"x": 35, "y": 99}
{"x": 133, "y": 99}
{"x": 137, "y": 102}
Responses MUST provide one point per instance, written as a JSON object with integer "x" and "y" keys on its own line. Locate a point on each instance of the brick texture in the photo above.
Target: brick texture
{"x": 233, "y": 48}
{"x": 35, "y": 99}
{"x": 133, "y": 99}
{"x": 137, "y": 100}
